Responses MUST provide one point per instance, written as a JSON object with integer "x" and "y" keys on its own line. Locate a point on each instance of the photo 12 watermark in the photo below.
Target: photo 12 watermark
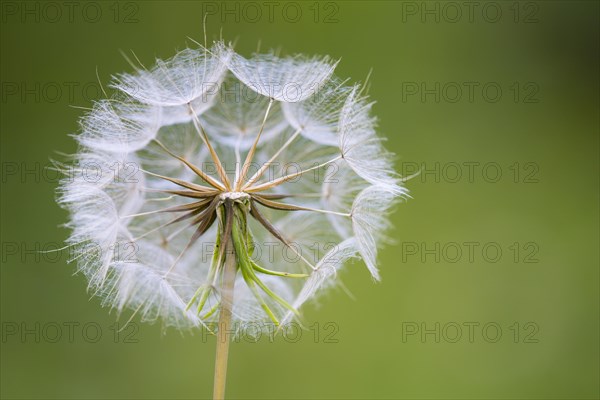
{"x": 318, "y": 12}
{"x": 470, "y": 332}
{"x": 290, "y": 332}
{"x": 471, "y": 12}
{"x": 69, "y": 12}
{"x": 472, "y": 172}
{"x": 469, "y": 252}
{"x": 488, "y": 92}
{"x": 91, "y": 332}
{"x": 37, "y": 92}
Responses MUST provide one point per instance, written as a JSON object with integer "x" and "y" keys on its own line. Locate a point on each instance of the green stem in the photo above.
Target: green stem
{"x": 229, "y": 271}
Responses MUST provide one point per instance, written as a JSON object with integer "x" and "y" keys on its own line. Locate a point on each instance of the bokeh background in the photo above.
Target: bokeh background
{"x": 514, "y": 170}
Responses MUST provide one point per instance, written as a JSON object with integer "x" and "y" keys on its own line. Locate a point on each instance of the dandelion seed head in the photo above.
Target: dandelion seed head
{"x": 210, "y": 155}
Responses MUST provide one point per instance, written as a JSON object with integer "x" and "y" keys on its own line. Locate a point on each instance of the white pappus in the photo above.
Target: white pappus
{"x": 209, "y": 156}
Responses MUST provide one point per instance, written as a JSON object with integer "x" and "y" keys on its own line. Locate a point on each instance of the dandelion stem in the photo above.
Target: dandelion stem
{"x": 229, "y": 270}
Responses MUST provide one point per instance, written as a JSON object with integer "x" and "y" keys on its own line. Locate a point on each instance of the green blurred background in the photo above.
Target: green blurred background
{"x": 541, "y": 135}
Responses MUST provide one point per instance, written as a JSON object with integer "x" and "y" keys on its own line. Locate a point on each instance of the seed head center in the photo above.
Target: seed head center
{"x": 234, "y": 196}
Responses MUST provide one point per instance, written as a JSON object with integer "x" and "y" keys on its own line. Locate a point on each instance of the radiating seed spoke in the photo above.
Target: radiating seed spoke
{"x": 207, "y": 178}
{"x": 291, "y": 207}
{"x": 275, "y": 232}
{"x": 286, "y": 178}
{"x": 211, "y": 150}
{"x": 266, "y": 165}
{"x": 250, "y": 155}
